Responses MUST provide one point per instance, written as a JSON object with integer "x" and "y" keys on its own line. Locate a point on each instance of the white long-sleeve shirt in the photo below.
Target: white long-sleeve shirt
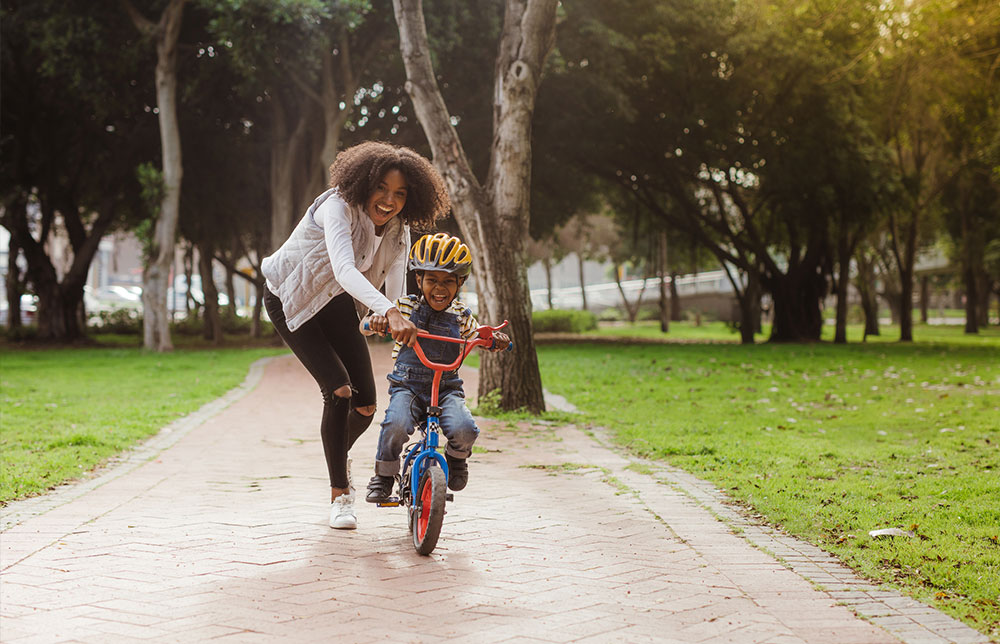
{"x": 333, "y": 250}
{"x": 334, "y": 218}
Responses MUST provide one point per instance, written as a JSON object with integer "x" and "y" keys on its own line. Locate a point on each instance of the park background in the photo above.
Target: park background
{"x": 829, "y": 170}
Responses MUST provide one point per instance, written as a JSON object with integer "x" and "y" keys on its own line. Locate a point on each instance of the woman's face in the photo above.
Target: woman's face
{"x": 388, "y": 198}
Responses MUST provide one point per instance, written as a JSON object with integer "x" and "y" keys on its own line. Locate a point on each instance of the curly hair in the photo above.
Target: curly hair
{"x": 357, "y": 171}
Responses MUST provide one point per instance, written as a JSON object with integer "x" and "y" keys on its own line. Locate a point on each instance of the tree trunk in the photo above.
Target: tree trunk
{"x": 13, "y": 282}
{"x": 583, "y": 282}
{"x": 865, "y": 284}
{"x": 661, "y": 273}
{"x": 190, "y": 304}
{"x": 258, "y": 301}
{"x": 983, "y": 292}
{"x": 797, "y": 314}
{"x": 285, "y": 151}
{"x": 843, "y": 279}
{"x": 632, "y": 311}
{"x": 212, "y": 329}
{"x": 971, "y": 300}
{"x": 925, "y": 295}
{"x": 156, "y": 321}
{"x": 547, "y": 263}
{"x": 906, "y": 306}
{"x": 60, "y": 314}
{"x": 675, "y": 299}
{"x": 231, "y": 291}
{"x": 493, "y": 216}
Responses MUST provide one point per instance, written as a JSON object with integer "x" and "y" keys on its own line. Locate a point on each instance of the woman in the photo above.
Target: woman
{"x": 353, "y": 239}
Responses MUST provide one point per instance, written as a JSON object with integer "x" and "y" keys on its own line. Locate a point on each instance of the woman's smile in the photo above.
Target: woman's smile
{"x": 388, "y": 198}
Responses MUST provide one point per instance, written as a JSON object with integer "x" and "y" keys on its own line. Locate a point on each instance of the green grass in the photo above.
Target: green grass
{"x": 65, "y": 411}
{"x": 828, "y": 442}
{"x": 719, "y": 332}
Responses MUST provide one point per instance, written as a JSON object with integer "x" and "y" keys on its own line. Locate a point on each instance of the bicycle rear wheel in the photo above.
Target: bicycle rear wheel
{"x": 428, "y": 509}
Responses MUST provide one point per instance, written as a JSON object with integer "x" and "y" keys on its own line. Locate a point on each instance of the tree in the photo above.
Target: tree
{"x": 494, "y": 214}
{"x": 80, "y": 131}
{"x": 927, "y": 63}
{"x": 308, "y": 63}
{"x": 164, "y": 34}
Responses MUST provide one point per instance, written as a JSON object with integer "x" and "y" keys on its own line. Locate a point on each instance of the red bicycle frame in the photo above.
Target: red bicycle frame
{"x": 484, "y": 338}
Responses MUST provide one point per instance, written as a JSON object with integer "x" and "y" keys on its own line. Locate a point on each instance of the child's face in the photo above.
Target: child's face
{"x": 439, "y": 288}
{"x": 388, "y": 198}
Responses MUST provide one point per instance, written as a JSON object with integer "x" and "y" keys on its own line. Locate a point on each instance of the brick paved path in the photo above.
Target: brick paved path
{"x": 217, "y": 530}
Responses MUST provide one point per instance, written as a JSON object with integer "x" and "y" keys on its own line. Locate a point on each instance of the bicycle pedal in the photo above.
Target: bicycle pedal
{"x": 391, "y": 502}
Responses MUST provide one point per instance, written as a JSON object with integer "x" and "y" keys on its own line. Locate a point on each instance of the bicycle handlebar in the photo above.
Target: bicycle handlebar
{"x": 484, "y": 338}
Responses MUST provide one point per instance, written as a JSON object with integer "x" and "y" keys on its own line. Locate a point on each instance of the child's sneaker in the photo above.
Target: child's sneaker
{"x": 342, "y": 515}
{"x": 458, "y": 472}
{"x": 379, "y": 489}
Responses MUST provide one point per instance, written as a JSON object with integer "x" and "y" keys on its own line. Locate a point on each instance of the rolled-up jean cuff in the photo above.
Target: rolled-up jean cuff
{"x": 454, "y": 453}
{"x": 387, "y": 468}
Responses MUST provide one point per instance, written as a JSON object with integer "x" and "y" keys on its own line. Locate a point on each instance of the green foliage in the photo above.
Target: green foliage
{"x": 190, "y": 326}
{"x": 559, "y": 321}
{"x": 23, "y": 333}
{"x": 489, "y": 404}
{"x": 66, "y": 411}
{"x": 152, "y": 190}
{"x": 827, "y": 441}
{"x": 611, "y": 314}
{"x": 119, "y": 321}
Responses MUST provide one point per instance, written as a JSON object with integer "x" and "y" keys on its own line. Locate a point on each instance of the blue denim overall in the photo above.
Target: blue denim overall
{"x": 410, "y": 393}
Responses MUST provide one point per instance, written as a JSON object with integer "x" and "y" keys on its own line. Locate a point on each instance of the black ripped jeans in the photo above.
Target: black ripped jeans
{"x": 332, "y": 349}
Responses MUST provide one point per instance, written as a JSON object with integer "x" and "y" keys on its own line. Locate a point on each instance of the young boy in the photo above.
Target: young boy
{"x": 441, "y": 263}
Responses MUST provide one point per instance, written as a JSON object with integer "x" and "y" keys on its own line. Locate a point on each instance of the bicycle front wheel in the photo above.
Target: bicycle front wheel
{"x": 428, "y": 510}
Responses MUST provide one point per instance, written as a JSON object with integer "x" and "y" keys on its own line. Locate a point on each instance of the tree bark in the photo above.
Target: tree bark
{"x": 675, "y": 299}
{"x": 494, "y": 215}
{"x": 156, "y": 275}
{"x": 212, "y": 329}
{"x": 971, "y": 300}
{"x": 661, "y": 273}
{"x": 60, "y": 314}
{"x": 631, "y": 311}
{"x": 925, "y": 296}
{"x": 583, "y": 282}
{"x": 865, "y": 284}
{"x": 231, "y": 291}
{"x": 547, "y": 263}
{"x": 13, "y": 282}
{"x": 797, "y": 315}
{"x": 286, "y": 148}
{"x": 843, "y": 279}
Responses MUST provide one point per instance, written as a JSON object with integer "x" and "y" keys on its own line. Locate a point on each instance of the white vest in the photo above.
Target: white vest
{"x": 300, "y": 272}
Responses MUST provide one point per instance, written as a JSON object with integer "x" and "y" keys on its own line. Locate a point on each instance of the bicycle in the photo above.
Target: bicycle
{"x": 425, "y": 470}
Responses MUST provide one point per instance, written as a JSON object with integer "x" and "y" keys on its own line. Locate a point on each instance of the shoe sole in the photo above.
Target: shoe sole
{"x": 353, "y": 526}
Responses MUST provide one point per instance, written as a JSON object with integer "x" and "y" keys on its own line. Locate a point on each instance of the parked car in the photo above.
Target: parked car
{"x": 29, "y": 308}
{"x": 111, "y": 298}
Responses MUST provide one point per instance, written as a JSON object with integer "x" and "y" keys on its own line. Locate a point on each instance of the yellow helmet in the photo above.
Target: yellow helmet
{"x": 441, "y": 252}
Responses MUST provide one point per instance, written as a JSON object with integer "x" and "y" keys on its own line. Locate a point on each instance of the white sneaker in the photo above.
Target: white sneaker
{"x": 342, "y": 515}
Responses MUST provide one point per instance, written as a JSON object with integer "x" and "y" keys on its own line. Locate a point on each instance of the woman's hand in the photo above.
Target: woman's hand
{"x": 402, "y": 330}
{"x": 375, "y": 324}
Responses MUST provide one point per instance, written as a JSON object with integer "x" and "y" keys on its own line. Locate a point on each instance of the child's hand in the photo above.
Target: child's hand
{"x": 376, "y": 324}
{"x": 500, "y": 341}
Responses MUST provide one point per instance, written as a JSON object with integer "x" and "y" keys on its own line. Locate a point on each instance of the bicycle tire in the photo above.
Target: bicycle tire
{"x": 428, "y": 510}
